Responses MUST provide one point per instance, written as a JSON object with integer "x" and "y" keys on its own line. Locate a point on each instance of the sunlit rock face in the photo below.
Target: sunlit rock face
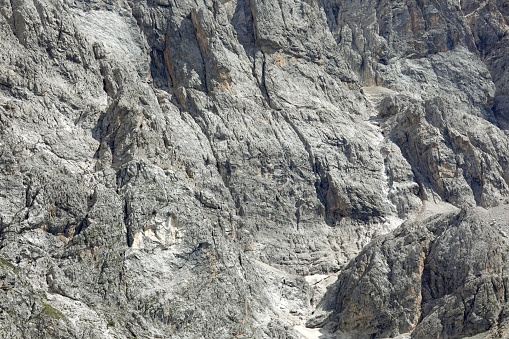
{"x": 254, "y": 168}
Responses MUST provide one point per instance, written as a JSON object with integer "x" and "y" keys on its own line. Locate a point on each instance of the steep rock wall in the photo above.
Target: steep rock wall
{"x": 187, "y": 168}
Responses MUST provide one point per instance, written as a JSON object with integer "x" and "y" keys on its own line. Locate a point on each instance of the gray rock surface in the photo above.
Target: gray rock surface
{"x": 441, "y": 276}
{"x": 205, "y": 168}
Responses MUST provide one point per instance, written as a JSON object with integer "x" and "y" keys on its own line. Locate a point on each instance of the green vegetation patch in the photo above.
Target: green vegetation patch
{"x": 6, "y": 263}
{"x": 51, "y": 312}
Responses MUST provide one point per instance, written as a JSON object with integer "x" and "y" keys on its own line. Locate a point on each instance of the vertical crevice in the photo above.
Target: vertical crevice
{"x": 12, "y": 21}
{"x": 127, "y": 223}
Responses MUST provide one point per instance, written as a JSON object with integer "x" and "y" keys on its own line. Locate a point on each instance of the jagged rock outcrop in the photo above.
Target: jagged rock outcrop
{"x": 204, "y": 168}
{"x": 442, "y": 276}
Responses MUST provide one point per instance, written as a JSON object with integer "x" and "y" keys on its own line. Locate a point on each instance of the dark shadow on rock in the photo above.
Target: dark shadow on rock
{"x": 501, "y": 111}
{"x": 243, "y": 23}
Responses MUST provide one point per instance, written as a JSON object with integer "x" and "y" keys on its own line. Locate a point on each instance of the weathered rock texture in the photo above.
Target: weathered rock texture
{"x": 198, "y": 168}
{"x": 442, "y": 276}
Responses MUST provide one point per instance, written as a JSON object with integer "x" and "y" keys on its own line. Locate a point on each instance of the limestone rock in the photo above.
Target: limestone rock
{"x": 442, "y": 276}
{"x": 205, "y": 168}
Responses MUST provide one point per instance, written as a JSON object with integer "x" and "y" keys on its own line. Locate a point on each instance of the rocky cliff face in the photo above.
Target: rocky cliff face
{"x": 206, "y": 168}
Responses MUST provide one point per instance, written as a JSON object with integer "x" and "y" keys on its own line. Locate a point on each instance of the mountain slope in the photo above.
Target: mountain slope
{"x": 206, "y": 168}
